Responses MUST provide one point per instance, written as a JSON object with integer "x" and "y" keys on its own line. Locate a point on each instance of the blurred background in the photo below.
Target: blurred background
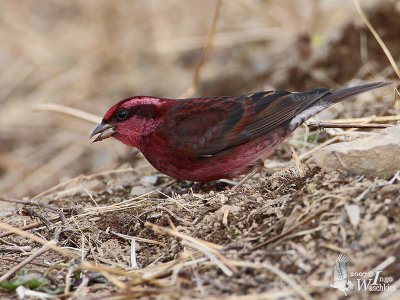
{"x": 88, "y": 54}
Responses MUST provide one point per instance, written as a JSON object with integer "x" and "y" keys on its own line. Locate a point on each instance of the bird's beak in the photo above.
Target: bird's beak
{"x": 104, "y": 130}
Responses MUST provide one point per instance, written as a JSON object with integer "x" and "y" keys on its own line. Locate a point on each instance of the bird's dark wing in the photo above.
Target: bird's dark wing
{"x": 206, "y": 126}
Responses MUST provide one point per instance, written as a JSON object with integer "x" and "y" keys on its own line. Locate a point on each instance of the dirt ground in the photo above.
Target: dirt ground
{"x": 125, "y": 231}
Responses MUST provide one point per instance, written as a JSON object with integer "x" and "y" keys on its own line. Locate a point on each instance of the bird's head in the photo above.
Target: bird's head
{"x": 132, "y": 120}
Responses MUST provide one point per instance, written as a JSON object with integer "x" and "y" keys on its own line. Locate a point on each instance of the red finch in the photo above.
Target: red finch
{"x": 205, "y": 139}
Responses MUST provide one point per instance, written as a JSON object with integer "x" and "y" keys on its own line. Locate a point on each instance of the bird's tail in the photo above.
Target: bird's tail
{"x": 339, "y": 95}
{"x": 325, "y": 98}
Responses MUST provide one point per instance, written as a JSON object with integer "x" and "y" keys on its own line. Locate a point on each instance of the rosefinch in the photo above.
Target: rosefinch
{"x": 205, "y": 139}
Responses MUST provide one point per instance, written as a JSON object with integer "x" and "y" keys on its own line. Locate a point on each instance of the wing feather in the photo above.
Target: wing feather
{"x": 206, "y": 126}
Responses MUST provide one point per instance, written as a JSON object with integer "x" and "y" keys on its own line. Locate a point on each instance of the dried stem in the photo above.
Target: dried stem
{"x": 38, "y": 253}
{"x": 204, "y": 54}
{"x": 37, "y": 239}
{"x": 27, "y": 227}
{"x": 367, "y": 119}
{"x": 321, "y": 125}
{"x": 28, "y": 202}
{"x": 68, "y": 111}
{"x": 377, "y": 37}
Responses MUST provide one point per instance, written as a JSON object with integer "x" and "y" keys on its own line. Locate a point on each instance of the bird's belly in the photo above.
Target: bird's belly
{"x": 226, "y": 164}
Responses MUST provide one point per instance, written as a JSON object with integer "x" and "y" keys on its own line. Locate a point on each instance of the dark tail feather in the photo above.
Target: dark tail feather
{"x": 339, "y": 95}
{"x": 330, "y": 98}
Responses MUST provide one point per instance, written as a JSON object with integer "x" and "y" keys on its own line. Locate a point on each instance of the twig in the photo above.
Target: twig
{"x": 114, "y": 280}
{"x": 38, "y": 253}
{"x": 134, "y": 264}
{"x": 225, "y": 39}
{"x": 204, "y": 54}
{"x": 68, "y": 111}
{"x": 210, "y": 250}
{"x": 291, "y": 229}
{"x": 62, "y": 217}
{"x": 37, "y": 239}
{"x": 368, "y": 119}
{"x": 28, "y": 202}
{"x": 139, "y": 239}
{"x": 35, "y": 214}
{"x": 15, "y": 248}
{"x": 27, "y": 227}
{"x": 212, "y": 256}
{"x": 320, "y": 125}
{"x": 293, "y": 284}
{"x": 182, "y": 236}
{"x": 32, "y": 263}
{"x": 179, "y": 219}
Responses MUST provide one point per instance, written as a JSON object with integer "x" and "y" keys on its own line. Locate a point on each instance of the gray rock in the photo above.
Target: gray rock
{"x": 149, "y": 180}
{"x": 140, "y": 190}
{"x": 377, "y": 155}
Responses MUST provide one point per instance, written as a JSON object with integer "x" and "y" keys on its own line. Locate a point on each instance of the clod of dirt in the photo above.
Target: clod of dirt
{"x": 374, "y": 156}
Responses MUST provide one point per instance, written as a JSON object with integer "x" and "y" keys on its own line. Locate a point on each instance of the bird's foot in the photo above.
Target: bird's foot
{"x": 197, "y": 186}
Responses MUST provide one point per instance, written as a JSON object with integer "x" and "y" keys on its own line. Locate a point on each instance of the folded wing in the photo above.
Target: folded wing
{"x": 206, "y": 126}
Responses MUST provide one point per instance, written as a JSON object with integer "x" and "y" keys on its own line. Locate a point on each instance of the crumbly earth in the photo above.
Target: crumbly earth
{"x": 297, "y": 224}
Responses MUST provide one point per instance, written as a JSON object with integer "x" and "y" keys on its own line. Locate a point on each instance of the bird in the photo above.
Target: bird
{"x": 209, "y": 138}
{"x": 340, "y": 274}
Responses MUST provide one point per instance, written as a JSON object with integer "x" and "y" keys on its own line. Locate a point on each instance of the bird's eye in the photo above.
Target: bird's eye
{"x": 122, "y": 114}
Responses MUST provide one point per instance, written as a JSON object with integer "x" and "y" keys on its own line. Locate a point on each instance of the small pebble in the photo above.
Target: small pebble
{"x": 140, "y": 190}
{"x": 149, "y": 180}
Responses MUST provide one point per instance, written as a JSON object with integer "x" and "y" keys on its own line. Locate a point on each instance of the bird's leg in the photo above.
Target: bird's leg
{"x": 197, "y": 186}
{"x": 257, "y": 167}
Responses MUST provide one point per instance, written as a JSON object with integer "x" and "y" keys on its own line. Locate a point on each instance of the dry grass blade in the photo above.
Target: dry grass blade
{"x": 27, "y": 202}
{"x": 101, "y": 268}
{"x": 26, "y": 261}
{"x": 262, "y": 296}
{"x": 37, "y": 239}
{"x": 80, "y": 177}
{"x": 182, "y": 236}
{"x": 15, "y": 248}
{"x": 378, "y": 38}
{"x": 121, "y": 285}
{"x": 68, "y": 111}
{"x": 210, "y": 250}
{"x": 152, "y": 272}
{"x": 299, "y": 290}
{"x": 27, "y": 227}
{"x": 139, "y": 239}
{"x": 383, "y": 46}
{"x": 291, "y": 229}
{"x": 211, "y": 256}
{"x": 326, "y": 143}
{"x": 204, "y": 54}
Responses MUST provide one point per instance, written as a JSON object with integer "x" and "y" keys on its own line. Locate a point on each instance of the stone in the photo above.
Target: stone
{"x": 373, "y": 156}
{"x": 140, "y": 190}
{"x": 149, "y": 180}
